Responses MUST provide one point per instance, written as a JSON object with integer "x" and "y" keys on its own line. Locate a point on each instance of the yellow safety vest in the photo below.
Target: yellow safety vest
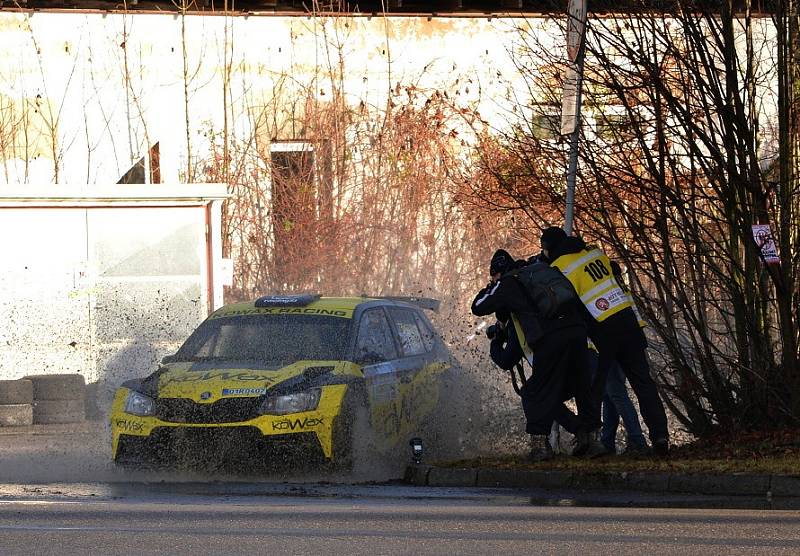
{"x": 523, "y": 343}
{"x": 590, "y": 274}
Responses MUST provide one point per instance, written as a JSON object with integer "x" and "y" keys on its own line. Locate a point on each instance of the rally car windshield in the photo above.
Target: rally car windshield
{"x": 272, "y": 339}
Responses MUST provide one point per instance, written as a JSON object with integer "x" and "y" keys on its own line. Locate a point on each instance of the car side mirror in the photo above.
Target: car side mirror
{"x": 168, "y": 359}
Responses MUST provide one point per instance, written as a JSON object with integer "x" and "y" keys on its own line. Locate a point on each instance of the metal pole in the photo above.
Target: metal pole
{"x": 576, "y": 32}
{"x": 569, "y": 213}
{"x": 572, "y": 169}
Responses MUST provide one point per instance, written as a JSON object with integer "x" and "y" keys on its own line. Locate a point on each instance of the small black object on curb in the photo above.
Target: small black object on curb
{"x": 416, "y": 450}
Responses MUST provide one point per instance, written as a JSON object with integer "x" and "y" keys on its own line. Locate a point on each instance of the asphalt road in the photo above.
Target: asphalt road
{"x": 59, "y": 494}
{"x": 239, "y": 518}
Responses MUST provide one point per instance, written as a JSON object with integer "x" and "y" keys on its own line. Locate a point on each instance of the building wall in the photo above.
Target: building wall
{"x": 82, "y": 95}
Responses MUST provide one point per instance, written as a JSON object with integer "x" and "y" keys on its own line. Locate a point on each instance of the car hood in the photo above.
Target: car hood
{"x": 208, "y": 382}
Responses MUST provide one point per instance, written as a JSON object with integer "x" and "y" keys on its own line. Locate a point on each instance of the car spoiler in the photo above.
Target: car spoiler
{"x": 422, "y": 302}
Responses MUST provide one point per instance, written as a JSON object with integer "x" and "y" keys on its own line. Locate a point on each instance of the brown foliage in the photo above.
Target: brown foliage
{"x": 375, "y": 207}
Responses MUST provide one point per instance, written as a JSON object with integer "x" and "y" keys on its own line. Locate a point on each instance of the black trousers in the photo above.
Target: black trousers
{"x": 560, "y": 371}
{"x": 620, "y": 338}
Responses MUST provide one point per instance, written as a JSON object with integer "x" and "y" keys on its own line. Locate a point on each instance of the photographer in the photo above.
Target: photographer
{"x": 560, "y": 345}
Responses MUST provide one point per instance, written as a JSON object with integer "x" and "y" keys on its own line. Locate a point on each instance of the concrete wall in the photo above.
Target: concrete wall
{"x": 82, "y": 95}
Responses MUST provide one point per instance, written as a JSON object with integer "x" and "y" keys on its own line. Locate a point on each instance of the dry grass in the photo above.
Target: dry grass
{"x": 772, "y": 452}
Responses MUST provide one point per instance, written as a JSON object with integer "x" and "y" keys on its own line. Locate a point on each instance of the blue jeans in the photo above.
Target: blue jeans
{"x": 616, "y": 404}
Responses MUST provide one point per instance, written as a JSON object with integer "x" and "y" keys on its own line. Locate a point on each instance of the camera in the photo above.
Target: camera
{"x": 496, "y": 331}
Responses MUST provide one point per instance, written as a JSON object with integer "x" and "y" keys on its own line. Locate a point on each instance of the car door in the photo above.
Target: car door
{"x": 376, "y": 351}
{"x": 417, "y": 391}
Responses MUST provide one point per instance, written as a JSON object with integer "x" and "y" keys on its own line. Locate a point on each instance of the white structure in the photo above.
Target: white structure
{"x": 105, "y": 281}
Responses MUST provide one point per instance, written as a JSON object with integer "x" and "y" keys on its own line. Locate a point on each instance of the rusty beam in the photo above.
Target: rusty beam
{"x": 443, "y": 8}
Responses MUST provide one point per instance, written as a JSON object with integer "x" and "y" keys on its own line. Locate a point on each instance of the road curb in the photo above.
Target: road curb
{"x": 734, "y": 484}
{"x": 522, "y": 479}
{"x": 785, "y": 485}
{"x": 648, "y": 482}
{"x": 442, "y": 476}
{"x": 417, "y": 475}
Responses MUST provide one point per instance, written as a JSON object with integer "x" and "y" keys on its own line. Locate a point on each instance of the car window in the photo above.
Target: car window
{"x": 407, "y": 331}
{"x": 375, "y": 343}
{"x": 428, "y": 337}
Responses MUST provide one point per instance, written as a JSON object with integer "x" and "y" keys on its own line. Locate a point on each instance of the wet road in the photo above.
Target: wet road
{"x": 245, "y": 518}
{"x": 59, "y": 494}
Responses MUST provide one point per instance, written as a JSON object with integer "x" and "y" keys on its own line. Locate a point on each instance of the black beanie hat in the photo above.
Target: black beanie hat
{"x": 552, "y": 237}
{"x": 501, "y": 262}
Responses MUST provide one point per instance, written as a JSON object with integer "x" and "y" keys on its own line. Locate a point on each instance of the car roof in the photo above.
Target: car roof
{"x": 312, "y": 304}
{"x": 333, "y": 306}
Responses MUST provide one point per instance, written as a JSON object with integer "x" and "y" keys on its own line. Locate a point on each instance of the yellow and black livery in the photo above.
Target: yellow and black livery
{"x": 287, "y": 374}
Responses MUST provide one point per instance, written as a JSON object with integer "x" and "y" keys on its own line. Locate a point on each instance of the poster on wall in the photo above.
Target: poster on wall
{"x": 762, "y": 234}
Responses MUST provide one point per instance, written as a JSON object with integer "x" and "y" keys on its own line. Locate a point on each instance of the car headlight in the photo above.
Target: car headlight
{"x": 291, "y": 403}
{"x": 139, "y": 404}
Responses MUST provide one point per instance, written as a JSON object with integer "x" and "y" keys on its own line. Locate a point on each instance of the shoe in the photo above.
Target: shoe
{"x": 587, "y": 445}
{"x": 661, "y": 447}
{"x": 540, "y": 449}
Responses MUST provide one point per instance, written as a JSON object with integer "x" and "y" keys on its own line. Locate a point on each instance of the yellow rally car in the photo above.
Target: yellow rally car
{"x": 287, "y": 373}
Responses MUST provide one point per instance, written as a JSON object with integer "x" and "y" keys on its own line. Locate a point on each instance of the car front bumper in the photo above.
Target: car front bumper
{"x": 150, "y": 432}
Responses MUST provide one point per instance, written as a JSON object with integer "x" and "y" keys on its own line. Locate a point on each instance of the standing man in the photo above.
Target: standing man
{"x": 560, "y": 345}
{"x": 613, "y": 327}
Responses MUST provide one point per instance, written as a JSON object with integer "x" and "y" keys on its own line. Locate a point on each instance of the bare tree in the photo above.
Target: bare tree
{"x": 674, "y": 172}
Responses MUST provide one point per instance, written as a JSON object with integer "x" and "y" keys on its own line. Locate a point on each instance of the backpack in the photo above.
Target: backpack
{"x": 546, "y": 288}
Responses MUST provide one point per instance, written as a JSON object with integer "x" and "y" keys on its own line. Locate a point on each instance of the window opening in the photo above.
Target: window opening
{"x": 375, "y": 343}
